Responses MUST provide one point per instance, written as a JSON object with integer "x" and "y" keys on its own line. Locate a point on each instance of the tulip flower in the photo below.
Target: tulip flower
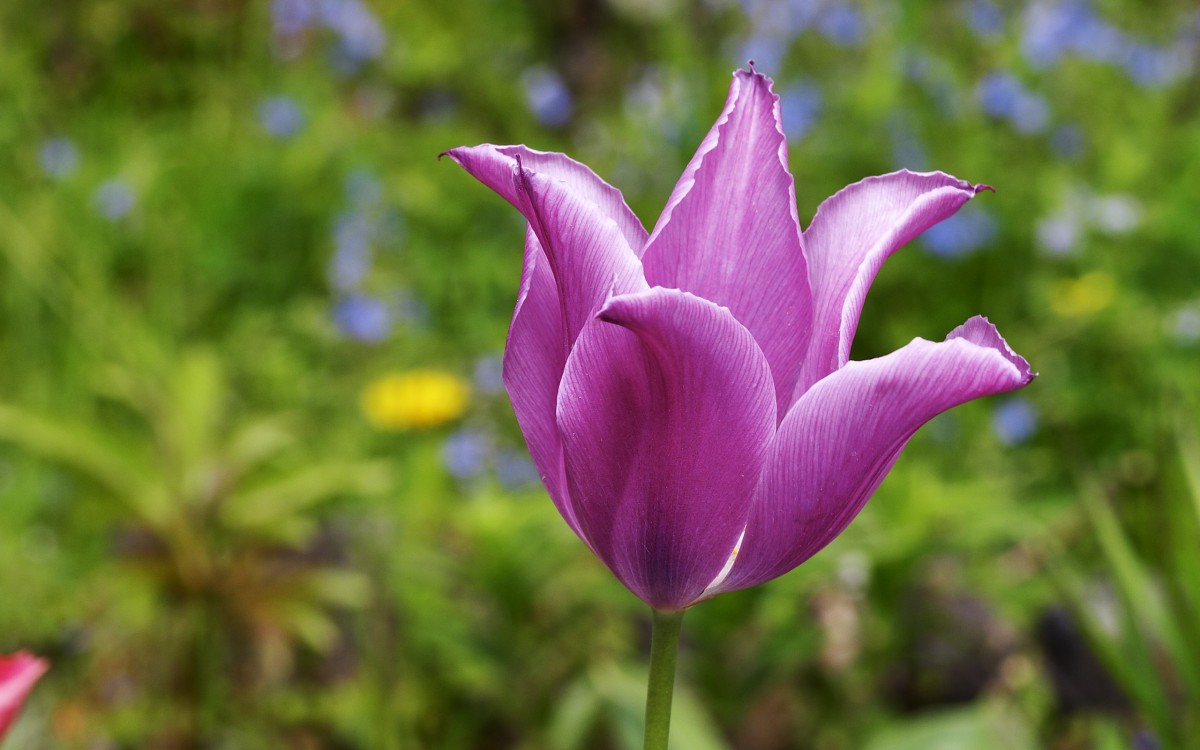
{"x": 18, "y": 673}
{"x": 687, "y": 394}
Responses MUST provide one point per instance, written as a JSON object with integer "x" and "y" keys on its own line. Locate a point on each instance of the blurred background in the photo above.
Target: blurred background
{"x": 260, "y": 486}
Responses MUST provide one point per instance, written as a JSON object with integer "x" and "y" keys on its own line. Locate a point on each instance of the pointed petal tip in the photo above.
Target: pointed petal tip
{"x": 981, "y": 331}
{"x": 754, "y": 75}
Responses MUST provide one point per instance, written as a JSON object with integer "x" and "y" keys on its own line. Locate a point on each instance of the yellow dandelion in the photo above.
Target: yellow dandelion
{"x": 414, "y": 400}
{"x": 1087, "y": 295}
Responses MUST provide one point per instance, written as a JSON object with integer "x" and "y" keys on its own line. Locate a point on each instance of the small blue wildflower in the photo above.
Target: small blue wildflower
{"x": 280, "y": 116}
{"x": 799, "y": 107}
{"x": 1115, "y": 214}
{"x": 1031, "y": 114}
{"x": 1059, "y": 233}
{"x": 516, "y": 470}
{"x": 353, "y": 229}
{"x": 1145, "y": 739}
{"x": 489, "y": 375}
{"x": 290, "y": 17}
{"x": 1003, "y": 96}
{"x": 766, "y": 50}
{"x": 363, "y": 189}
{"x": 964, "y": 232}
{"x": 1154, "y": 66}
{"x": 985, "y": 18}
{"x": 1184, "y": 325}
{"x": 59, "y": 157}
{"x": 114, "y": 199}
{"x": 1014, "y": 421}
{"x": 1067, "y": 140}
{"x": 842, "y": 24}
{"x": 547, "y": 96}
{"x": 1052, "y": 28}
{"x": 465, "y": 454}
{"x": 363, "y": 318}
{"x": 349, "y": 265}
{"x": 998, "y": 94}
{"x": 360, "y": 35}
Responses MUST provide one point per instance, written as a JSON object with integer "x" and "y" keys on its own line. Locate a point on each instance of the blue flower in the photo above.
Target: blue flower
{"x": 998, "y": 94}
{"x": 465, "y": 454}
{"x": 547, "y": 96}
{"x": 1151, "y": 65}
{"x": 59, "y": 157}
{"x": 290, "y": 17}
{"x": 964, "y": 232}
{"x": 351, "y": 261}
{"x": 280, "y": 116}
{"x": 1003, "y": 96}
{"x": 515, "y": 470}
{"x": 1184, "y": 325}
{"x": 842, "y": 23}
{"x": 766, "y": 50}
{"x": 363, "y": 189}
{"x": 1014, "y": 421}
{"x": 1067, "y": 140}
{"x": 360, "y": 35}
{"x": 1058, "y": 234}
{"x": 985, "y": 18}
{"x": 1031, "y": 114}
{"x": 799, "y": 107}
{"x": 489, "y": 375}
{"x": 363, "y": 318}
{"x": 114, "y": 199}
{"x": 1054, "y": 29}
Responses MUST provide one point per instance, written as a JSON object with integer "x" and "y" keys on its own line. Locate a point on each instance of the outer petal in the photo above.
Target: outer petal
{"x": 583, "y": 225}
{"x": 534, "y": 358}
{"x": 18, "y": 673}
{"x": 666, "y": 409}
{"x": 492, "y": 165}
{"x": 730, "y": 234}
{"x": 842, "y": 437}
{"x": 851, "y": 236}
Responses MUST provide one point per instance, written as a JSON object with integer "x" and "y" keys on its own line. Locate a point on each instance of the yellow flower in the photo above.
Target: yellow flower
{"x": 415, "y": 399}
{"x": 1077, "y": 298}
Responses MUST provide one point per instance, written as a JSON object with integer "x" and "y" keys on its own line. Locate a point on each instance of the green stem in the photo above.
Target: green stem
{"x": 664, "y": 647}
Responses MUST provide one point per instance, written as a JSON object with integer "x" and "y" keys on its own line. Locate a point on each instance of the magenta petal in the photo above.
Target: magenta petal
{"x": 851, "y": 236}
{"x": 534, "y": 357}
{"x": 841, "y": 438}
{"x": 666, "y": 408}
{"x": 586, "y": 242}
{"x": 492, "y": 165}
{"x": 730, "y": 234}
{"x": 18, "y": 673}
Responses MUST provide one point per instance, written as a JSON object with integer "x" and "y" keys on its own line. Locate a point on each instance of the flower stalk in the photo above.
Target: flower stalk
{"x": 664, "y": 647}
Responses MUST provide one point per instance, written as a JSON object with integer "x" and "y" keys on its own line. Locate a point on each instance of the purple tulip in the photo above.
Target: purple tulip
{"x": 687, "y": 394}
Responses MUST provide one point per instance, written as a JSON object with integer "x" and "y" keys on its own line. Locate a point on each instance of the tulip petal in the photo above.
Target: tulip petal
{"x": 18, "y": 673}
{"x": 851, "y": 236}
{"x": 730, "y": 234}
{"x": 492, "y": 165}
{"x": 842, "y": 437}
{"x": 534, "y": 357}
{"x": 666, "y": 409}
{"x": 588, "y": 234}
